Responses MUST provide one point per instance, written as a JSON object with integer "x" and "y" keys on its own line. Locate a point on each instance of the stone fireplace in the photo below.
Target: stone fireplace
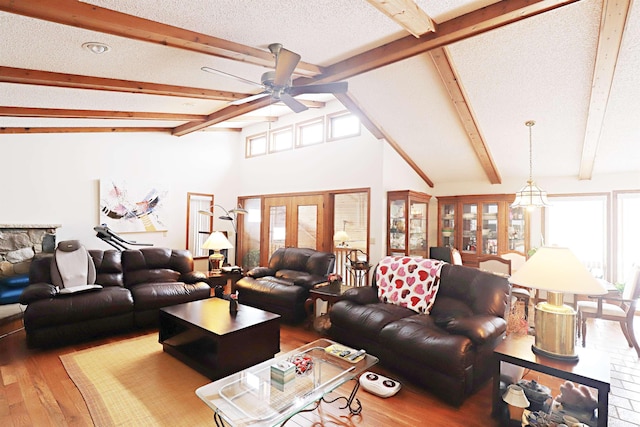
{"x": 19, "y": 243}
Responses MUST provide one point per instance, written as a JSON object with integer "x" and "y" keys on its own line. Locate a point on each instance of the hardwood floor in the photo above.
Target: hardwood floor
{"x": 36, "y": 390}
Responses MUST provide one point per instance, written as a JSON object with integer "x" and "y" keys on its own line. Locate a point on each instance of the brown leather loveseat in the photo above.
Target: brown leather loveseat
{"x": 448, "y": 351}
{"x": 283, "y": 286}
{"x": 135, "y": 285}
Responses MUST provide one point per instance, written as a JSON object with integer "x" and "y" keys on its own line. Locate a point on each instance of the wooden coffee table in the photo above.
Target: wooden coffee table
{"x": 206, "y": 337}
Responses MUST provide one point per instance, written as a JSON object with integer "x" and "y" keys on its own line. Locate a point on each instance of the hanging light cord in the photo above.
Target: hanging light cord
{"x": 530, "y": 124}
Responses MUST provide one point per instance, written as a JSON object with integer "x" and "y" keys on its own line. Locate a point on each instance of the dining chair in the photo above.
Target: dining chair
{"x": 618, "y": 309}
{"x": 495, "y": 264}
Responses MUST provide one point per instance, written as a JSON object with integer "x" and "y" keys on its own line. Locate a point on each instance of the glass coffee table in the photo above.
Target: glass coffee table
{"x": 252, "y": 398}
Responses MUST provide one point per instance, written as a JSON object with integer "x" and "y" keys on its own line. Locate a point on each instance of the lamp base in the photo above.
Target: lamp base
{"x": 215, "y": 262}
{"x": 555, "y": 326}
{"x": 567, "y": 358}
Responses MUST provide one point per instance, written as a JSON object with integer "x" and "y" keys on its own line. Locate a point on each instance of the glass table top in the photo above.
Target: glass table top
{"x": 253, "y": 398}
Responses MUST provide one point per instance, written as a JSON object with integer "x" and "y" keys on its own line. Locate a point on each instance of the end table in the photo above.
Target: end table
{"x": 326, "y": 292}
{"x": 592, "y": 370}
{"x": 226, "y": 281}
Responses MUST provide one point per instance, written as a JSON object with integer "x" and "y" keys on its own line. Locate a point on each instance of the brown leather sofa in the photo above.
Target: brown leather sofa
{"x": 283, "y": 286}
{"x": 135, "y": 285}
{"x": 448, "y": 351}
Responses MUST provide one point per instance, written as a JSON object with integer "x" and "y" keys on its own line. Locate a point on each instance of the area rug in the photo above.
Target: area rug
{"x": 134, "y": 383}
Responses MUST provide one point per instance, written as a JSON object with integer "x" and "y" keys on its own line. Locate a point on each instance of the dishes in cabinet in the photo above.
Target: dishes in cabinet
{"x": 469, "y": 216}
{"x": 447, "y": 233}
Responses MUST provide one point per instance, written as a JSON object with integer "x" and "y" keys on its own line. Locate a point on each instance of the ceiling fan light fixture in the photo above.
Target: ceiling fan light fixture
{"x": 530, "y": 196}
{"x": 96, "y": 47}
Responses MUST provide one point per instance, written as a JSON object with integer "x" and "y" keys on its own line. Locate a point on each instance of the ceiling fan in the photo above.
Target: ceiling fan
{"x": 277, "y": 83}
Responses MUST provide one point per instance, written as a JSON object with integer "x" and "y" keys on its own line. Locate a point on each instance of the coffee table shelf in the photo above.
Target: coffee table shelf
{"x": 205, "y": 336}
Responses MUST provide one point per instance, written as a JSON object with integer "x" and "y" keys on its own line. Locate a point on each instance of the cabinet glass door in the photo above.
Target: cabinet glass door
{"x": 397, "y": 226}
{"x": 469, "y": 227}
{"x": 447, "y": 216}
{"x": 490, "y": 228}
{"x": 417, "y": 229}
{"x": 516, "y": 230}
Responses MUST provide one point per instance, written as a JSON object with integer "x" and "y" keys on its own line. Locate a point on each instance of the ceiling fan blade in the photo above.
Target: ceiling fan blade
{"x": 285, "y": 65}
{"x": 337, "y": 87}
{"x": 250, "y": 98}
{"x": 292, "y": 103}
{"x": 222, "y": 73}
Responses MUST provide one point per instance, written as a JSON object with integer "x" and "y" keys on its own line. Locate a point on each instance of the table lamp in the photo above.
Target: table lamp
{"x": 216, "y": 242}
{"x": 341, "y": 237}
{"x": 556, "y": 270}
{"x": 517, "y": 401}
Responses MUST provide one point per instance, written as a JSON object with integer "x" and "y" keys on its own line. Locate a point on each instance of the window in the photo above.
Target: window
{"x": 343, "y": 125}
{"x": 256, "y": 145}
{"x": 199, "y": 226}
{"x": 580, "y": 224}
{"x": 281, "y": 140}
{"x": 310, "y": 133}
{"x": 627, "y": 233}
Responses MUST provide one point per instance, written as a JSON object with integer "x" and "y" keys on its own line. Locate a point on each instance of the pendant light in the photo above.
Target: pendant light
{"x": 530, "y": 196}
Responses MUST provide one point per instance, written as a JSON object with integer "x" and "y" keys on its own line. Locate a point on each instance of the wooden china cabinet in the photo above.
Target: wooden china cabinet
{"x": 482, "y": 225}
{"x": 407, "y": 219}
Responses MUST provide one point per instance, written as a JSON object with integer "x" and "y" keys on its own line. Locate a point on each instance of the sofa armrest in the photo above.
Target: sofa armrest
{"x": 193, "y": 277}
{"x": 38, "y": 291}
{"x": 479, "y": 329}
{"x": 258, "y": 272}
{"x": 361, "y": 295}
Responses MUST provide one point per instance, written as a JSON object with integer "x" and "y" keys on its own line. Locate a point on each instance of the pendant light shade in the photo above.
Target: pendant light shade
{"x": 530, "y": 196}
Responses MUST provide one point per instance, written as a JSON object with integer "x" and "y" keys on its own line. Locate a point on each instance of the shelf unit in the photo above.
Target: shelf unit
{"x": 407, "y": 219}
{"x": 479, "y": 225}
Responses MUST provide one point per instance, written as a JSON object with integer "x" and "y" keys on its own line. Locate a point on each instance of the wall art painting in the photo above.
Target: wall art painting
{"x": 131, "y": 207}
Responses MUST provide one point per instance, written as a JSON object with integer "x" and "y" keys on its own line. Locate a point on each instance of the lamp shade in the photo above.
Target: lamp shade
{"x": 530, "y": 196}
{"x": 341, "y": 236}
{"x": 515, "y": 396}
{"x": 557, "y": 269}
{"x": 217, "y": 241}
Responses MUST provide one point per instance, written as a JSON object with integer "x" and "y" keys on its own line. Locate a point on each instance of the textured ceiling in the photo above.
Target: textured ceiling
{"x": 539, "y": 68}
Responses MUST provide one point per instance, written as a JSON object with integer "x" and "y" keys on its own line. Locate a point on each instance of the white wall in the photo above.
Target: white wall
{"x": 54, "y": 178}
{"x": 358, "y": 162}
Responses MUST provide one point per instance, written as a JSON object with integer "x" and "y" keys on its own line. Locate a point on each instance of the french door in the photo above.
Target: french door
{"x": 292, "y": 221}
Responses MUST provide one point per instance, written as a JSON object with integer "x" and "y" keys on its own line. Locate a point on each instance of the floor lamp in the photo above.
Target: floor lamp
{"x": 229, "y": 215}
{"x": 557, "y": 271}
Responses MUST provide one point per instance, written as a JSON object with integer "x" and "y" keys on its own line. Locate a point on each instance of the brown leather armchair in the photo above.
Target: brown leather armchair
{"x": 283, "y": 286}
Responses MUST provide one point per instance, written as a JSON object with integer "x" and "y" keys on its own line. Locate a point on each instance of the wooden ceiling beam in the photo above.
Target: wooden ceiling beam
{"x": 473, "y": 23}
{"x": 612, "y": 24}
{"x": 452, "y": 81}
{"x": 407, "y": 14}
{"x": 75, "y": 81}
{"x": 95, "y": 114}
{"x": 90, "y": 17}
{"x": 354, "y": 106}
{"x": 16, "y": 130}
{"x": 222, "y": 115}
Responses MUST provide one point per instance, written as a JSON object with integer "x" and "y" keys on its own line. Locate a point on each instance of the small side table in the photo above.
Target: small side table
{"x": 329, "y": 293}
{"x": 226, "y": 281}
{"x": 592, "y": 370}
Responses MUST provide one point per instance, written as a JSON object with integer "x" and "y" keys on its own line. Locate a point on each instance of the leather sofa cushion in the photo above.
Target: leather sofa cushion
{"x": 300, "y": 278}
{"x": 106, "y": 302}
{"x": 155, "y": 264}
{"x": 367, "y": 320}
{"x": 156, "y": 295}
{"x": 418, "y": 338}
{"x": 481, "y": 291}
{"x": 108, "y": 267}
{"x": 271, "y": 290}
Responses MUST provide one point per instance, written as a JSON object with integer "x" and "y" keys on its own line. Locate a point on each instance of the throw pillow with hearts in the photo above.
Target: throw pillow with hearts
{"x": 409, "y": 282}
